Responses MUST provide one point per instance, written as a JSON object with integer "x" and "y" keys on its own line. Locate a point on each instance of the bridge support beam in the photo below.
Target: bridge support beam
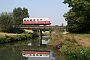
{"x": 40, "y": 37}
{"x": 50, "y": 32}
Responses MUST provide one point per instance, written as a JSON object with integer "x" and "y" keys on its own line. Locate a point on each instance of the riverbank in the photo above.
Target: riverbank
{"x": 7, "y": 39}
{"x": 74, "y": 46}
{"x": 11, "y": 37}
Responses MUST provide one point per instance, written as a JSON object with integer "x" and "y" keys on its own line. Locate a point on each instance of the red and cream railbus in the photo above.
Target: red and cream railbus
{"x": 27, "y": 53}
{"x": 36, "y": 21}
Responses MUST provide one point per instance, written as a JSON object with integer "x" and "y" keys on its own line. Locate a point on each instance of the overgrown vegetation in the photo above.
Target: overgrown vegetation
{"x": 56, "y": 39}
{"x": 6, "y": 39}
{"x": 83, "y": 53}
{"x": 70, "y": 46}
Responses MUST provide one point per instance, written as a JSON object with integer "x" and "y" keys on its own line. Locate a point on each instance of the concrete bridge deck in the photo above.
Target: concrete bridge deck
{"x": 41, "y": 27}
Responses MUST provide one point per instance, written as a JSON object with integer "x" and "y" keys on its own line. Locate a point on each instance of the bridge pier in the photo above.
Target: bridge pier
{"x": 40, "y": 37}
{"x": 50, "y": 32}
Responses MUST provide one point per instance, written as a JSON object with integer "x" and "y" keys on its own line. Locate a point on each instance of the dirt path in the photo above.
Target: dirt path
{"x": 9, "y": 34}
{"x": 83, "y": 42}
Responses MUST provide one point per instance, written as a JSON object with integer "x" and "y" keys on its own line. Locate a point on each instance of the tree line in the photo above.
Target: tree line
{"x": 8, "y": 19}
{"x": 78, "y": 17}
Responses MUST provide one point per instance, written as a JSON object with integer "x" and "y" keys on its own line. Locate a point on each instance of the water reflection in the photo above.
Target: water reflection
{"x": 10, "y": 53}
{"x": 38, "y": 49}
{"x": 35, "y": 53}
{"x": 45, "y": 41}
{"x": 33, "y": 43}
{"x": 13, "y": 51}
{"x": 45, "y": 36}
{"x": 57, "y": 54}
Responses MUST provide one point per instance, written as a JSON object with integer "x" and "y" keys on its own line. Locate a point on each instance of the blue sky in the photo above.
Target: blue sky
{"x": 53, "y": 9}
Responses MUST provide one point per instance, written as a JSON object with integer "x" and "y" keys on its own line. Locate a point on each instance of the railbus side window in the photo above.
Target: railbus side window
{"x": 33, "y": 54}
{"x": 40, "y": 54}
{"x": 33, "y": 19}
{"x": 30, "y": 19}
{"x": 37, "y": 19}
{"x": 36, "y": 54}
{"x": 40, "y": 19}
{"x": 24, "y": 20}
{"x": 30, "y": 55}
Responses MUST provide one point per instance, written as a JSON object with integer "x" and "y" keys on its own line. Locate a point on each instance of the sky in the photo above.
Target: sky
{"x": 52, "y": 9}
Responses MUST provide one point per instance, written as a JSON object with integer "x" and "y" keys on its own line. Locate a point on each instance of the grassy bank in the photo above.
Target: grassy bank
{"x": 74, "y": 46}
{"x": 11, "y": 37}
{"x": 6, "y": 38}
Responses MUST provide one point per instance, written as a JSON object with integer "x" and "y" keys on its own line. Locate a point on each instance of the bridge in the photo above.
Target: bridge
{"x": 38, "y": 27}
{"x": 42, "y": 28}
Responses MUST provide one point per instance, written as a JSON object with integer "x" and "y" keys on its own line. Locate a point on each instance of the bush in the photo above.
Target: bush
{"x": 2, "y": 39}
{"x": 15, "y": 30}
{"x": 79, "y": 54}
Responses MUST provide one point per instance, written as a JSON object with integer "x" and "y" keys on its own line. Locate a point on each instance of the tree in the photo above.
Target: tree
{"x": 5, "y": 21}
{"x": 78, "y": 16}
{"x": 18, "y": 14}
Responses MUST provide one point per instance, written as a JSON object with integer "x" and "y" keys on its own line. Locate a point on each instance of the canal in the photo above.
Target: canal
{"x": 29, "y": 50}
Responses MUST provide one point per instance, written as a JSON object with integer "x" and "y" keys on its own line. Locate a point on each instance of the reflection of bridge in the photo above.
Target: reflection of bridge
{"x": 41, "y": 27}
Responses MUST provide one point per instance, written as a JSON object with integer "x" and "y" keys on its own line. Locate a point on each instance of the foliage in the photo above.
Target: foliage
{"x": 6, "y": 21}
{"x": 70, "y": 47}
{"x": 78, "y": 16}
{"x": 18, "y": 14}
{"x": 35, "y": 34}
{"x": 6, "y": 38}
{"x": 80, "y": 54}
{"x": 18, "y": 31}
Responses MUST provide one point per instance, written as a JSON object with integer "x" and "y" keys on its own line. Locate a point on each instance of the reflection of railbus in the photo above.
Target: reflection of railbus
{"x": 37, "y": 53}
{"x": 36, "y": 21}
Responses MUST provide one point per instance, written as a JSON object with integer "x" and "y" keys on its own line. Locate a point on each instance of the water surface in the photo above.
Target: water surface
{"x": 13, "y": 51}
